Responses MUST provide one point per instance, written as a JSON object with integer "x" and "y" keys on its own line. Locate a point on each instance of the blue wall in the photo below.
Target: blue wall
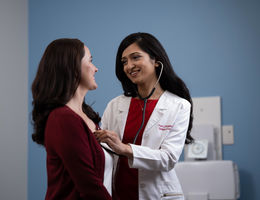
{"x": 213, "y": 45}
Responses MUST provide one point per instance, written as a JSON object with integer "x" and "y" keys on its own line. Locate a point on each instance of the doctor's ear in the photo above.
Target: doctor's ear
{"x": 158, "y": 63}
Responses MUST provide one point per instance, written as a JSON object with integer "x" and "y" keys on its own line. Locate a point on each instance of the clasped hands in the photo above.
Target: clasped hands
{"x": 113, "y": 141}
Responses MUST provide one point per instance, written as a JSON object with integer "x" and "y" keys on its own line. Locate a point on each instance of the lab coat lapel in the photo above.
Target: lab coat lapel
{"x": 158, "y": 112}
{"x": 123, "y": 107}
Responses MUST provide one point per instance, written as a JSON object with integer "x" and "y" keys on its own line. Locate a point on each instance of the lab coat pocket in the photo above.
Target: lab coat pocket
{"x": 169, "y": 192}
{"x": 172, "y": 196}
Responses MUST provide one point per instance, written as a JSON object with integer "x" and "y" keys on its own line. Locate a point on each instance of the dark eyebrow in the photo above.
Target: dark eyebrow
{"x": 131, "y": 54}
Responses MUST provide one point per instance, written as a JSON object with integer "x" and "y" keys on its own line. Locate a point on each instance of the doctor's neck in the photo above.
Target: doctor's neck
{"x": 145, "y": 91}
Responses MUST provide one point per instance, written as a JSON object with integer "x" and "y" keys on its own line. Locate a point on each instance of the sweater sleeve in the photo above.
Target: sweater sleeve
{"x": 73, "y": 146}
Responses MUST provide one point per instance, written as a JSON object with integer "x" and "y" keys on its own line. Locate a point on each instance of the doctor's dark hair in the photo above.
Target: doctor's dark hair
{"x": 56, "y": 81}
{"x": 169, "y": 79}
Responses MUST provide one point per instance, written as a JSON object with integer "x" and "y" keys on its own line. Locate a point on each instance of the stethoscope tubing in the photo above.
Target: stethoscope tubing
{"x": 139, "y": 130}
{"x": 145, "y": 102}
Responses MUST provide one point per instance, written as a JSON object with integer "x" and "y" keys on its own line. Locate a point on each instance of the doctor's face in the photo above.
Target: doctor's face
{"x": 88, "y": 70}
{"x": 138, "y": 66}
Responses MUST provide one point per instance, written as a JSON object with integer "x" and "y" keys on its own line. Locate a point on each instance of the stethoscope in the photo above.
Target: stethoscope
{"x": 105, "y": 146}
{"x": 145, "y": 102}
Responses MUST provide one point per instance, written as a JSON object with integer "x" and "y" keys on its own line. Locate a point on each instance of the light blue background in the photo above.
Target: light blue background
{"x": 213, "y": 45}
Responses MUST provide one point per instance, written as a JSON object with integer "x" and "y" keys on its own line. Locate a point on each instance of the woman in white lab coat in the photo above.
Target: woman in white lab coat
{"x": 149, "y": 124}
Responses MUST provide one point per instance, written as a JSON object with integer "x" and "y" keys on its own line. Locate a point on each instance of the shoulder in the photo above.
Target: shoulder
{"x": 63, "y": 115}
{"x": 119, "y": 101}
{"x": 173, "y": 99}
{"x": 63, "y": 122}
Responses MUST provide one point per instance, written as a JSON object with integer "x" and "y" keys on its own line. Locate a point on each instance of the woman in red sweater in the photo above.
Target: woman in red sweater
{"x": 64, "y": 123}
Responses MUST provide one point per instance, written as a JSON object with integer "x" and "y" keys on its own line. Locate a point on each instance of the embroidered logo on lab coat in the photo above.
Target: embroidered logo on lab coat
{"x": 165, "y": 127}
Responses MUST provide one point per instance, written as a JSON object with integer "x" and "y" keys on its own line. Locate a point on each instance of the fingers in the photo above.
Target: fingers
{"x": 99, "y": 134}
{"x": 96, "y": 132}
{"x": 112, "y": 139}
{"x": 104, "y": 135}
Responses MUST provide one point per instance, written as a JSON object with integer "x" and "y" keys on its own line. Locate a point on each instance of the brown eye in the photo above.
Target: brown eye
{"x": 136, "y": 57}
{"x": 123, "y": 62}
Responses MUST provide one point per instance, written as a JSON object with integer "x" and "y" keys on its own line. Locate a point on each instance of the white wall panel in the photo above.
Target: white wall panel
{"x": 13, "y": 99}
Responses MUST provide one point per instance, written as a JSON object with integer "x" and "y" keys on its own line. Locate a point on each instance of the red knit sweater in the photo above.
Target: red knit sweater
{"x": 75, "y": 160}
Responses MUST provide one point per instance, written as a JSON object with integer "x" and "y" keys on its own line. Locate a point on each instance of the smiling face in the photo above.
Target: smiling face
{"x": 138, "y": 66}
{"x": 88, "y": 70}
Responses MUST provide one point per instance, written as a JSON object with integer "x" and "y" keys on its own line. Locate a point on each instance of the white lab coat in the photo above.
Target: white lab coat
{"x": 162, "y": 144}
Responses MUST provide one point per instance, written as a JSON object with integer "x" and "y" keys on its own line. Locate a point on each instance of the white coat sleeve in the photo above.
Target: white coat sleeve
{"x": 164, "y": 158}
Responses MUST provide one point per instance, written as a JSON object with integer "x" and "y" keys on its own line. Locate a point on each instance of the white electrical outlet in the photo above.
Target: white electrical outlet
{"x": 228, "y": 134}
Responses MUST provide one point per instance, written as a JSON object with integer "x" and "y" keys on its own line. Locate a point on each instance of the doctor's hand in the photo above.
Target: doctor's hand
{"x": 114, "y": 142}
